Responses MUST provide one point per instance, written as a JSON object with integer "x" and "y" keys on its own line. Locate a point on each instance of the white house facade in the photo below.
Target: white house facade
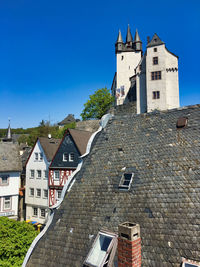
{"x": 10, "y": 169}
{"x": 36, "y": 197}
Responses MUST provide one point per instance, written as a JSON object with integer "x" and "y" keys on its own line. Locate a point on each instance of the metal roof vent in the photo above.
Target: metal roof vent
{"x": 181, "y": 122}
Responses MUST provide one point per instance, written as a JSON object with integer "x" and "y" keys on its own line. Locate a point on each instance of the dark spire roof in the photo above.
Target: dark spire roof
{"x": 155, "y": 41}
{"x": 137, "y": 37}
{"x": 119, "y": 38}
{"x": 129, "y": 37}
{"x": 9, "y": 135}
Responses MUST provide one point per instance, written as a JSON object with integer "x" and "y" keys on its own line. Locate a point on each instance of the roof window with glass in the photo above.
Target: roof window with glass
{"x": 126, "y": 181}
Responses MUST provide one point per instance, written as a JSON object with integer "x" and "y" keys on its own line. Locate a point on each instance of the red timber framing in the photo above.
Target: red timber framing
{"x": 57, "y": 184}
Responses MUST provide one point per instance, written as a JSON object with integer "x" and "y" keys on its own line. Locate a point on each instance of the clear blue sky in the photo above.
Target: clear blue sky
{"x": 54, "y": 54}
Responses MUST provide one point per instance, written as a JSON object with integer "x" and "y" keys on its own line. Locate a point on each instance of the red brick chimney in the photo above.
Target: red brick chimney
{"x": 129, "y": 245}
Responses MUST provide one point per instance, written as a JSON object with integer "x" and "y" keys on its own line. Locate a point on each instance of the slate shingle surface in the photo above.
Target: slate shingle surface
{"x": 9, "y": 157}
{"x": 164, "y": 197}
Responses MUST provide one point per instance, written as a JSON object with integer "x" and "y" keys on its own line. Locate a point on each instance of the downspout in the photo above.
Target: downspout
{"x": 66, "y": 188}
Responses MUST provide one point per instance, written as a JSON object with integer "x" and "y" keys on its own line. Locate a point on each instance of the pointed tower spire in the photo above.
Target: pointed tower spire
{"x": 129, "y": 37}
{"x": 119, "y": 44}
{"x": 137, "y": 44}
{"x": 9, "y": 136}
{"x": 119, "y": 38}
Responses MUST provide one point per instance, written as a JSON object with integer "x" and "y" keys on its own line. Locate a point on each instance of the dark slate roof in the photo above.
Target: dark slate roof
{"x": 164, "y": 197}
{"x": 155, "y": 41}
{"x": 49, "y": 146}
{"x": 119, "y": 38}
{"x": 69, "y": 119}
{"x": 9, "y": 157}
{"x": 89, "y": 125}
{"x": 129, "y": 37}
{"x": 81, "y": 139}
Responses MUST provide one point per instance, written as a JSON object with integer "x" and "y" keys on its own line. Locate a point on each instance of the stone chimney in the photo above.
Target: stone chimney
{"x": 129, "y": 245}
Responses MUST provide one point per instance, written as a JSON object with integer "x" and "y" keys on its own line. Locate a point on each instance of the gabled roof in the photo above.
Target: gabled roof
{"x": 163, "y": 197}
{"x": 9, "y": 157}
{"x": 69, "y": 119}
{"x": 155, "y": 41}
{"x": 49, "y": 146}
{"x": 81, "y": 139}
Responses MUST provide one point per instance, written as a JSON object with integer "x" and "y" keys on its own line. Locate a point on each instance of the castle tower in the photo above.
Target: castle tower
{"x": 137, "y": 44}
{"x": 127, "y": 58}
{"x": 8, "y": 137}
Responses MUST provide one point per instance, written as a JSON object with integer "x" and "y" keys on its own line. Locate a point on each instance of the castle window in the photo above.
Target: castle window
{"x": 126, "y": 181}
{"x": 122, "y": 57}
{"x": 156, "y": 75}
{"x": 155, "y": 60}
{"x": 156, "y": 94}
{"x": 155, "y": 49}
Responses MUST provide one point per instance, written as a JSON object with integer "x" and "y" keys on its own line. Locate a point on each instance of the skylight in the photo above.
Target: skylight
{"x": 126, "y": 181}
{"x": 104, "y": 245}
{"x": 185, "y": 264}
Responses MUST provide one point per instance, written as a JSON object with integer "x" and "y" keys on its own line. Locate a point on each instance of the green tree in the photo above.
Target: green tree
{"x": 97, "y": 105}
{"x": 15, "y": 239}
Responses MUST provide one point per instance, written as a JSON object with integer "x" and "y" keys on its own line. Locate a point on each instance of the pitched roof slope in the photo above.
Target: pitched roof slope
{"x": 49, "y": 146}
{"x": 81, "y": 139}
{"x": 9, "y": 157}
{"x": 164, "y": 197}
{"x": 69, "y": 119}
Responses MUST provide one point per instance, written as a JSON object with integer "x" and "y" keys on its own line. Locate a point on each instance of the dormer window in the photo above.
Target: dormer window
{"x": 65, "y": 156}
{"x": 103, "y": 250}
{"x": 126, "y": 181}
{"x": 71, "y": 157}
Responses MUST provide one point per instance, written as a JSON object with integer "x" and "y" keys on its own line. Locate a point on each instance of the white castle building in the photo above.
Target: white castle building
{"x": 150, "y": 79}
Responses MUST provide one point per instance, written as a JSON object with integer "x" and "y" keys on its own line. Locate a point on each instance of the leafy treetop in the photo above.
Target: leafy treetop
{"x": 98, "y": 104}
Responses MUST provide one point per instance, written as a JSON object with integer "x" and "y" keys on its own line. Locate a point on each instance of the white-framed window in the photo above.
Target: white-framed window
{"x": 41, "y": 156}
{"x": 35, "y": 211}
{"x": 126, "y": 181}
{"x": 42, "y": 213}
{"x": 39, "y": 174}
{"x": 71, "y": 156}
{"x": 190, "y": 264}
{"x": 59, "y": 192}
{"x": 4, "y": 179}
{"x": 31, "y": 192}
{"x": 32, "y": 173}
{"x": 103, "y": 249}
{"x": 7, "y": 203}
{"x": 45, "y": 174}
{"x": 56, "y": 175}
{"x": 38, "y": 192}
{"x": 45, "y": 193}
{"x": 65, "y": 156}
{"x": 36, "y": 156}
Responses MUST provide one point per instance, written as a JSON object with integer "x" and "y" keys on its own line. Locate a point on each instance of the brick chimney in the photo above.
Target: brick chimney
{"x": 129, "y": 245}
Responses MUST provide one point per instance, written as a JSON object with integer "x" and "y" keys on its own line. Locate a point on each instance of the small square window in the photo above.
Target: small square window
{"x": 39, "y": 174}
{"x": 7, "y": 203}
{"x": 56, "y": 175}
{"x": 155, "y": 49}
{"x": 155, "y": 60}
{"x": 4, "y": 179}
{"x": 45, "y": 193}
{"x": 41, "y": 156}
{"x": 42, "y": 213}
{"x": 71, "y": 157}
{"x": 103, "y": 250}
{"x": 126, "y": 181}
{"x": 31, "y": 192}
{"x": 65, "y": 157}
{"x": 32, "y": 173}
{"x": 156, "y": 94}
{"x": 38, "y": 192}
{"x": 59, "y": 192}
{"x": 35, "y": 211}
{"x": 36, "y": 156}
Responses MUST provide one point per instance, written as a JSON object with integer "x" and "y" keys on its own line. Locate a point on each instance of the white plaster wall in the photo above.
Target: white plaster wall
{"x": 40, "y": 183}
{"x": 156, "y": 85}
{"x": 38, "y": 218}
{"x": 172, "y": 83}
{"x": 126, "y": 69}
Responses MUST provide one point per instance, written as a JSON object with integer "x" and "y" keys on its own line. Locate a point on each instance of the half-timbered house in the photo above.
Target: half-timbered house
{"x": 65, "y": 161}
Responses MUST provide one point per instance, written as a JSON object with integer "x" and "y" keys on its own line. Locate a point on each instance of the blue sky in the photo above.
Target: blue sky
{"x": 54, "y": 54}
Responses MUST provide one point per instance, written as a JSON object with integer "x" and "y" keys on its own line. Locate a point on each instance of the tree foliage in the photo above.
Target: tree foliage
{"x": 15, "y": 239}
{"x": 98, "y": 104}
